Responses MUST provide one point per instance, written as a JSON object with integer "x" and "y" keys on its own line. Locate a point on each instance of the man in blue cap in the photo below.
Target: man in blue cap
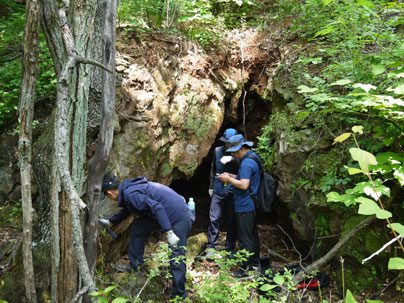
{"x": 248, "y": 176}
{"x": 157, "y": 207}
{"x": 222, "y": 196}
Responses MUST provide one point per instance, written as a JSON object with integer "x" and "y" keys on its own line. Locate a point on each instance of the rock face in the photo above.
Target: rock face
{"x": 170, "y": 109}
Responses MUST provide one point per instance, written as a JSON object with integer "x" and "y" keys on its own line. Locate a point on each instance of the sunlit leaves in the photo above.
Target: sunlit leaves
{"x": 398, "y": 228}
{"x": 363, "y": 157}
{"x": 349, "y": 298}
{"x": 396, "y": 263}
{"x": 365, "y": 87}
{"x": 342, "y": 138}
{"x": 378, "y": 69}
{"x": 369, "y": 207}
{"x": 341, "y": 82}
{"x": 306, "y": 89}
{"x": 358, "y": 129}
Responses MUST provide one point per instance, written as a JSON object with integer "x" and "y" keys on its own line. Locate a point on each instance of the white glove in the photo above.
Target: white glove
{"x": 172, "y": 239}
{"x": 104, "y": 222}
{"x": 210, "y": 192}
{"x": 226, "y": 159}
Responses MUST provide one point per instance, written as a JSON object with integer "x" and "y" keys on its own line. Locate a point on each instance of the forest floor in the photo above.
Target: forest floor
{"x": 271, "y": 237}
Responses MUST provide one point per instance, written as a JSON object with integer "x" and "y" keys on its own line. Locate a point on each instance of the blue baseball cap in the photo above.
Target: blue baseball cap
{"x": 236, "y": 142}
{"x": 228, "y": 133}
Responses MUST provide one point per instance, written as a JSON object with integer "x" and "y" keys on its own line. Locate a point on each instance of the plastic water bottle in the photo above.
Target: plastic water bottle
{"x": 191, "y": 207}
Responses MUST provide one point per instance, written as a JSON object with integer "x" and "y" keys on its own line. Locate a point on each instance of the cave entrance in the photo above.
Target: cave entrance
{"x": 257, "y": 112}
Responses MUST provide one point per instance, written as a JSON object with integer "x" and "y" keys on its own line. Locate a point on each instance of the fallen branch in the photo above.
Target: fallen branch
{"x": 315, "y": 266}
{"x": 279, "y": 256}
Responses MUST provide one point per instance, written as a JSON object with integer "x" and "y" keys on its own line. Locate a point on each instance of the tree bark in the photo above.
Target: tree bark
{"x": 26, "y": 110}
{"x": 73, "y": 35}
{"x": 98, "y": 163}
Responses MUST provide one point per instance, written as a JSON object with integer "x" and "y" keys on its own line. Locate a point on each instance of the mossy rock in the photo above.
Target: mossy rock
{"x": 195, "y": 245}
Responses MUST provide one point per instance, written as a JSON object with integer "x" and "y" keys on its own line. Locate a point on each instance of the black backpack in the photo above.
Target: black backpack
{"x": 267, "y": 189}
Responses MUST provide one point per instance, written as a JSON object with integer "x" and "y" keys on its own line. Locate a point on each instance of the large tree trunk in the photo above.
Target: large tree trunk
{"x": 98, "y": 163}
{"x": 26, "y": 110}
{"x": 74, "y": 36}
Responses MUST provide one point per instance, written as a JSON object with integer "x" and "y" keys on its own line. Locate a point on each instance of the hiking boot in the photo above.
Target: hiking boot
{"x": 140, "y": 270}
{"x": 123, "y": 267}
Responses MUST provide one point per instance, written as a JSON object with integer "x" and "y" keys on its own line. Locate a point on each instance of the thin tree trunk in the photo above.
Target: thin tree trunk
{"x": 98, "y": 163}
{"x": 26, "y": 108}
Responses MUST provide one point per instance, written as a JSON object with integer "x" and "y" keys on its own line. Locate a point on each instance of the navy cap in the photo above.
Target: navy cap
{"x": 236, "y": 142}
{"x": 109, "y": 182}
{"x": 228, "y": 133}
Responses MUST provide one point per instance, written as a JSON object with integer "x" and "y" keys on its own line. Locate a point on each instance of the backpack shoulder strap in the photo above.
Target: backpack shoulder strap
{"x": 252, "y": 195}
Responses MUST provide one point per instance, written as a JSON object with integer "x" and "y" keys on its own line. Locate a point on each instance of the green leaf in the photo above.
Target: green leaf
{"x": 365, "y": 3}
{"x": 267, "y": 287}
{"x": 326, "y": 30}
{"x": 341, "y": 82}
{"x": 278, "y": 279}
{"x": 354, "y": 171}
{"x": 363, "y": 157}
{"x": 398, "y": 228}
{"x": 102, "y": 300}
{"x": 109, "y": 289}
{"x": 373, "y": 301}
{"x": 326, "y": 2}
{"x": 365, "y": 87}
{"x": 341, "y": 138}
{"x": 396, "y": 263}
{"x": 306, "y": 89}
{"x": 358, "y": 129}
{"x": 378, "y": 69}
{"x": 399, "y": 175}
{"x": 95, "y": 294}
{"x": 333, "y": 197}
{"x": 369, "y": 207}
{"x": 120, "y": 300}
{"x": 349, "y": 298}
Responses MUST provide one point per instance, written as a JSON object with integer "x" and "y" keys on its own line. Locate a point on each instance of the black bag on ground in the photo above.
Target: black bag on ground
{"x": 267, "y": 189}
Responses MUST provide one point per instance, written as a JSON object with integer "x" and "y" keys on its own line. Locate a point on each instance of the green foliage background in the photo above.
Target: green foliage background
{"x": 12, "y": 21}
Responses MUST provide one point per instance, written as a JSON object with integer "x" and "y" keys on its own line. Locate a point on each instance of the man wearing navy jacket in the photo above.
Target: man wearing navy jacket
{"x": 156, "y": 206}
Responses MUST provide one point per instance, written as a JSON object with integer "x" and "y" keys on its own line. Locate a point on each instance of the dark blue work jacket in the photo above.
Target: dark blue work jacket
{"x": 217, "y": 167}
{"x": 154, "y": 200}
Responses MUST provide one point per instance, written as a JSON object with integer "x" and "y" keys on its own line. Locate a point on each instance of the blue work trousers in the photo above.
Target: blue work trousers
{"x": 138, "y": 233}
{"x": 218, "y": 205}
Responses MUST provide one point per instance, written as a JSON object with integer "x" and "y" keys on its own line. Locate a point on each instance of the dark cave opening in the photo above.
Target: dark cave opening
{"x": 257, "y": 112}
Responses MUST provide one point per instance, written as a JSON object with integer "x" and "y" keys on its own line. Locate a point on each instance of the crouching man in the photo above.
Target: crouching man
{"x": 156, "y": 206}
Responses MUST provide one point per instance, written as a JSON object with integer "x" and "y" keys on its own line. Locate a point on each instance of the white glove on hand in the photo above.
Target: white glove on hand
{"x": 226, "y": 159}
{"x": 172, "y": 239}
{"x": 104, "y": 222}
{"x": 210, "y": 192}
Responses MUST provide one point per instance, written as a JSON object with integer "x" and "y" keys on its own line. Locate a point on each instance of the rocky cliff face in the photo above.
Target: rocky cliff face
{"x": 173, "y": 101}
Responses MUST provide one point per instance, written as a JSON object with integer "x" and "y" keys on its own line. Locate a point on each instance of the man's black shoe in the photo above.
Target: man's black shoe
{"x": 124, "y": 267}
{"x": 140, "y": 270}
